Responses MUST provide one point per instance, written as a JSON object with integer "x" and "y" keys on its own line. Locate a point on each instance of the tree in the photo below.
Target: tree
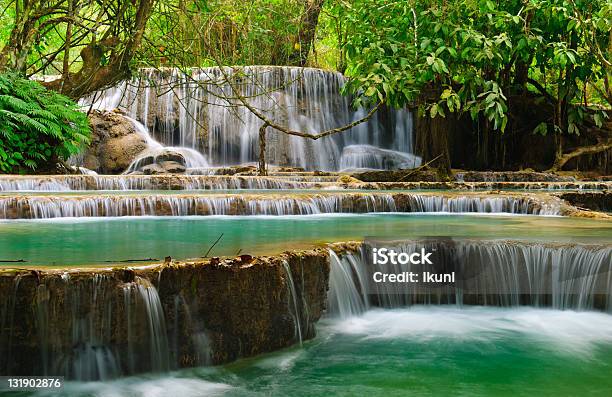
{"x": 97, "y": 40}
{"x": 469, "y": 57}
{"x": 306, "y": 34}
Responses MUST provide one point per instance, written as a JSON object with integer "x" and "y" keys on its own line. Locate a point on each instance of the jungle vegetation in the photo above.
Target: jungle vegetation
{"x": 450, "y": 59}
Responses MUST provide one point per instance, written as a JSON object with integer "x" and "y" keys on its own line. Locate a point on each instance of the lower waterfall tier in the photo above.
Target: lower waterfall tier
{"x": 98, "y": 324}
{"x": 498, "y": 273}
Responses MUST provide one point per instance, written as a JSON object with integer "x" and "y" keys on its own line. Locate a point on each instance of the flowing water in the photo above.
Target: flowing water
{"x": 544, "y": 281}
{"x": 199, "y": 110}
{"x": 208, "y": 179}
{"x": 39, "y": 206}
{"x": 419, "y": 351}
{"x": 504, "y": 273}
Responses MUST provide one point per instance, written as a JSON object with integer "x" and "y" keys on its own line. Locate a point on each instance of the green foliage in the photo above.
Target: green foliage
{"x": 37, "y": 126}
{"x": 470, "y": 56}
{"x": 237, "y": 32}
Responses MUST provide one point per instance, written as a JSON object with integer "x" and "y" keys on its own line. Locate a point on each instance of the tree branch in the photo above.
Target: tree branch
{"x": 561, "y": 160}
{"x": 542, "y": 90}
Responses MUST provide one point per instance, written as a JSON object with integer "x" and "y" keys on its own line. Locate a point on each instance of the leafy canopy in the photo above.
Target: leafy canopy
{"x": 471, "y": 55}
{"x": 37, "y": 126}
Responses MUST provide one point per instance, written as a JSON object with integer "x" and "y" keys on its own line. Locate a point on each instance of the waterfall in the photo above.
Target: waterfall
{"x": 66, "y": 183}
{"x": 501, "y": 273}
{"x": 356, "y": 157}
{"x": 193, "y": 158}
{"x": 42, "y": 207}
{"x": 7, "y": 317}
{"x": 346, "y": 295}
{"x": 293, "y": 301}
{"x": 207, "y": 179}
{"x": 80, "y": 331}
{"x": 198, "y": 110}
{"x": 142, "y": 296}
{"x": 87, "y": 334}
{"x": 93, "y": 357}
{"x": 96, "y": 324}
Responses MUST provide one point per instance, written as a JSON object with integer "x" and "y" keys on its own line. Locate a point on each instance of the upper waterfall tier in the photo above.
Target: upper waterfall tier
{"x": 65, "y": 183}
{"x": 199, "y": 110}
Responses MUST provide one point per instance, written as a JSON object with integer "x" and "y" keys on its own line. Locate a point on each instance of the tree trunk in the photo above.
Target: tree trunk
{"x": 306, "y": 34}
{"x": 432, "y": 141}
{"x": 94, "y": 75}
{"x": 262, "y": 150}
{"x": 104, "y": 62}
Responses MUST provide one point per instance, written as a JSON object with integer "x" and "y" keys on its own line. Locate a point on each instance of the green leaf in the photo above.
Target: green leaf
{"x": 541, "y": 129}
{"x": 598, "y": 117}
{"x": 433, "y": 112}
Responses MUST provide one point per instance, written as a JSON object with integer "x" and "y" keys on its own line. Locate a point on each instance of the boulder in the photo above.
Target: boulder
{"x": 153, "y": 169}
{"x": 159, "y": 161}
{"x": 173, "y": 167}
{"x": 115, "y": 143}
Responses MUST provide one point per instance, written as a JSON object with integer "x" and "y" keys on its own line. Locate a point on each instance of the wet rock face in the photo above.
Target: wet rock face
{"x": 596, "y": 201}
{"x": 431, "y": 175}
{"x": 90, "y": 324}
{"x": 425, "y": 175}
{"x": 114, "y": 144}
{"x": 165, "y": 162}
{"x": 511, "y": 176}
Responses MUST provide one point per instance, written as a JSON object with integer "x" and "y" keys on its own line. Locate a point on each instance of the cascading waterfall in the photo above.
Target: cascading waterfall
{"x": 293, "y": 300}
{"x": 200, "y": 111}
{"x": 193, "y": 158}
{"x": 501, "y": 273}
{"x": 101, "y": 324}
{"x": 80, "y": 332}
{"x": 66, "y": 183}
{"x": 92, "y": 358}
{"x": 208, "y": 179}
{"x": 142, "y": 293}
{"x": 41, "y": 207}
{"x": 355, "y": 157}
{"x": 346, "y": 294}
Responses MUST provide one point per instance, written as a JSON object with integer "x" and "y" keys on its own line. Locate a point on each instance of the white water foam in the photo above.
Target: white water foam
{"x": 571, "y": 332}
{"x": 146, "y": 387}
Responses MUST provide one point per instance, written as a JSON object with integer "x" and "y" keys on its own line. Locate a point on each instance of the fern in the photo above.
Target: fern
{"x": 37, "y": 126}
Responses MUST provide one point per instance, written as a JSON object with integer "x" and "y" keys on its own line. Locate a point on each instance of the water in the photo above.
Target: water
{"x": 200, "y": 111}
{"x": 293, "y": 301}
{"x": 69, "y": 183}
{"x": 142, "y": 293}
{"x": 356, "y": 157}
{"x": 207, "y": 179}
{"x": 502, "y": 273}
{"x": 78, "y": 241}
{"x": 39, "y": 206}
{"x": 420, "y": 351}
{"x": 193, "y": 158}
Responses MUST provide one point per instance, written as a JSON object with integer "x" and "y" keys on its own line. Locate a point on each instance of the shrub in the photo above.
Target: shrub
{"x": 38, "y": 127}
